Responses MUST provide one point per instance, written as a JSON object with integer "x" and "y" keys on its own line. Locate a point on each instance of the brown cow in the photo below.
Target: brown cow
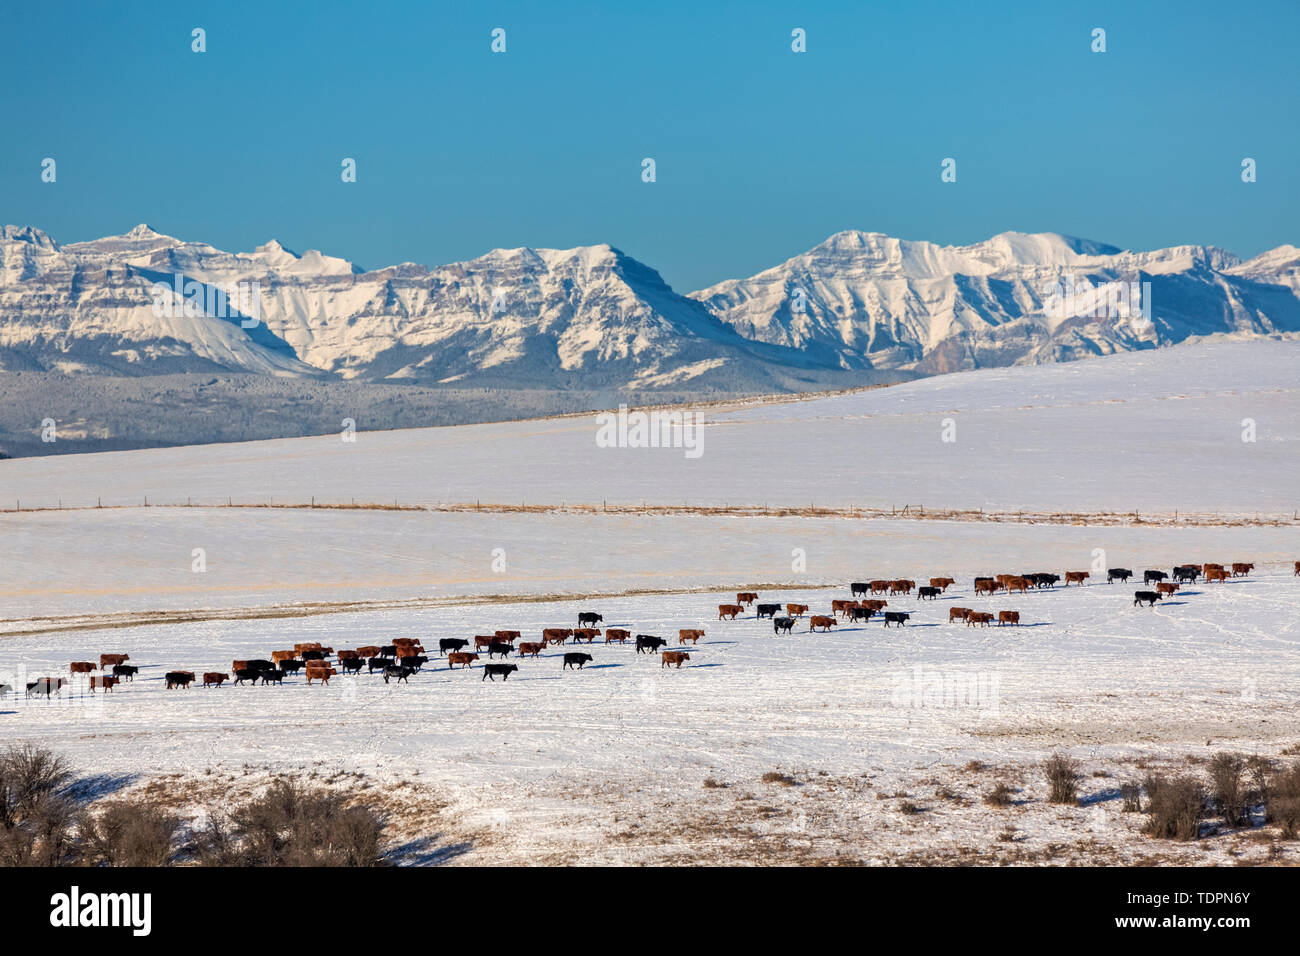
{"x": 616, "y": 634}
{"x": 746, "y": 597}
{"x": 880, "y": 587}
{"x": 689, "y": 634}
{"x": 556, "y": 635}
{"x": 370, "y": 650}
{"x": 299, "y": 648}
{"x": 81, "y": 667}
{"x": 277, "y": 656}
{"x": 875, "y": 604}
{"x": 587, "y": 634}
{"x": 108, "y": 660}
{"x": 840, "y": 608}
{"x": 461, "y": 657}
{"x": 1241, "y": 568}
{"x": 1077, "y": 576}
{"x": 822, "y": 621}
{"x": 982, "y": 618}
{"x": 796, "y": 611}
{"x": 348, "y": 655}
{"x": 1211, "y": 567}
{"x": 238, "y": 666}
{"x": 728, "y": 612}
{"x": 1017, "y": 584}
{"x": 404, "y": 651}
{"x": 986, "y": 586}
{"x": 1215, "y": 574}
{"x": 104, "y": 682}
{"x": 1297, "y": 569}
{"x": 404, "y": 641}
{"x": 901, "y": 586}
{"x": 1008, "y": 617}
{"x": 322, "y": 673}
{"x": 531, "y": 647}
{"x": 484, "y": 640}
{"x": 508, "y": 636}
{"x": 942, "y": 583}
{"x": 674, "y": 657}
{"x": 958, "y": 613}
{"x": 1165, "y": 588}
{"x": 216, "y": 678}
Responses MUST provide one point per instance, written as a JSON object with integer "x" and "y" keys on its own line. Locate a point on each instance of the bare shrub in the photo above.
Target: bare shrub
{"x": 999, "y": 796}
{"x": 909, "y": 808}
{"x": 711, "y": 783}
{"x": 1229, "y": 793}
{"x": 1284, "y": 799}
{"x": 1175, "y": 806}
{"x": 129, "y": 834}
{"x": 1061, "y": 772}
{"x": 1131, "y": 793}
{"x": 36, "y": 814}
{"x": 784, "y": 779}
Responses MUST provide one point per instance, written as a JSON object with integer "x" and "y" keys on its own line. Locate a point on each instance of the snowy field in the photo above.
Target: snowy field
{"x": 610, "y": 763}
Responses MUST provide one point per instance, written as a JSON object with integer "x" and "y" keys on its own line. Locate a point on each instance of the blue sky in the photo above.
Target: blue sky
{"x": 761, "y": 153}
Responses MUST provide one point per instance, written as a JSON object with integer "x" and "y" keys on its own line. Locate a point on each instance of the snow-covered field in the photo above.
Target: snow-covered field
{"x": 610, "y": 763}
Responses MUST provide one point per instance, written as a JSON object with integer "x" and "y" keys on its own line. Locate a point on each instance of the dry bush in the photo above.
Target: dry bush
{"x": 999, "y": 796}
{"x": 784, "y": 779}
{"x": 1061, "y": 772}
{"x": 129, "y": 834}
{"x": 1175, "y": 806}
{"x": 711, "y": 783}
{"x": 1132, "y": 797}
{"x": 909, "y": 808}
{"x": 1227, "y": 788}
{"x": 36, "y": 814}
{"x": 1284, "y": 799}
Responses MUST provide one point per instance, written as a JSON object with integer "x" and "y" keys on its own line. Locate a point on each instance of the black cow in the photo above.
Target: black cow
{"x": 1045, "y": 580}
{"x": 379, "y": 663}
{"x": 312, "y": 655}
{"x": 780, "y": 624}
{"x": 125, "y": 671}
{"x": 768, "y": 610}
{"x": 927, "y": 592}
{"x": 398, "y": 672}
{"x": 898, "y": 617}
{"x": 260, "y": 665}
{"x": 414, "y": 663}
{"x": 589, "y": 618}
{"x": 647, "y": 644}
{"x": 449, "y": 644}
{"x": 291, "y": 667}
{"x": 499, "y": 647}
{"x": 1186, "y": 572}
{"x": 856, "y": 588}
{"x": 352, "y": 665}
{"x": 861, "y": 613}
{"x": 491, "y": 670}
{"x": 1151, "y": 597}
{"x": 250, "y": 674}
{"x": 178, "y": 679}
{"x": 1149, "y": 576}
{"x": 1118, "y": 574}
{"x": 385, "y": 650}
{"x": 579, "y": 659}
{"x": 272, "y": 676}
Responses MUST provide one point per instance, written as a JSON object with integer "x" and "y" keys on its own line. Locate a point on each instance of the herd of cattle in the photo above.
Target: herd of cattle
{"x": 404, "y": 657}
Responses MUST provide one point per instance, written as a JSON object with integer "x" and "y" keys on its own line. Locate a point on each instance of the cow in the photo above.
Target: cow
{"x": 313, "y": 646}
{"x": 181, "y": 679}
{"x": 292, "y": 667}
{"x": 673, "y": 657}
{"x": 879, "y": 587}
{"x": 842, "y": 608}
{"x": 483, "y": 640}
{"x": 278, "y": 656}
{"x": 785, "y": 624}
{"x": 248, "y": 674}
{"x": 796, "y": 611}
{"x": 406, "y": 652}
{"x": 274, "y": 676}
{"x": 1208, "y": 566}
{"x": 1017, "y": 582}
{"x": 1044, "y": 580}
{"x": 575, "y": 660}
{"x": 746, "y": 597}
{"x": 982, "y": 618}
{"x": 1008, "y": 617}
{"x": 861, "y": 613}
{"x": 1166, "y": 589}
{"x": 491, "y": 670}
{"x": 1241, "y": 569}
{"x": 588, "y": 618}
{"x": 108, "y": 660}
{"x": 1297, "y": 570}
{"x": 379, "y": 663}
{"x": 901, "y": 587}
{"x": 319, "y": 654}
{"x": 692, "y": 634}
{"x": 772, "y": 610}
{"x": 398, "y": 673}
{"x": 930, "y": 593}
{"x": 1186, "y": 573}
{"x": 451, "y": 644}
{"x": 1149, "y": 576}
{"x": 125, "y": 671}
{"x": 215, "y": 679}
{"x": 369, "y": 651}
{"x": 860, "y": 587}
{"x": 321, "y": 673}
{"x": 510, "y": 636}
{"x": 406, "y": 642}
{"x": 587, "y": 634}
{"x": 943, "y": 584}
{"x": 48, "y": 686}
{"x": 386, "y": 650}
{"x": 1077, "y": 577}
{"x": 825, "y": 622}
{"x": 986, "y": 586}
{"x": 350, "y": 665}
{"x": 556, "y": 635}
{"x": 104, "y": 682}
{"x": 876, "y": 604}
{"x": 1118, "y": 574}
{"x": 81, "y": 667}
{"x": 499, "y": 647}
{"x": 958, "y": 614}
{"x": 463, "y": 658}
{"x": 1150, "y": 597}
{"x": 898, "y": 617}
{"x": 417, "y": 661}
{"x": 346, "y": 655}
{"x": 616, "y": 634}
{"x": 647, "y": 643}
{"x": 531, "y": 647}
{"x": 728, "y": 612}
{"x": 1215, "y": 574}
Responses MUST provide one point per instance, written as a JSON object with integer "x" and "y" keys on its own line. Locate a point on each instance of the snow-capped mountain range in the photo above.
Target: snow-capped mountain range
{"x": 593, "y": 317}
